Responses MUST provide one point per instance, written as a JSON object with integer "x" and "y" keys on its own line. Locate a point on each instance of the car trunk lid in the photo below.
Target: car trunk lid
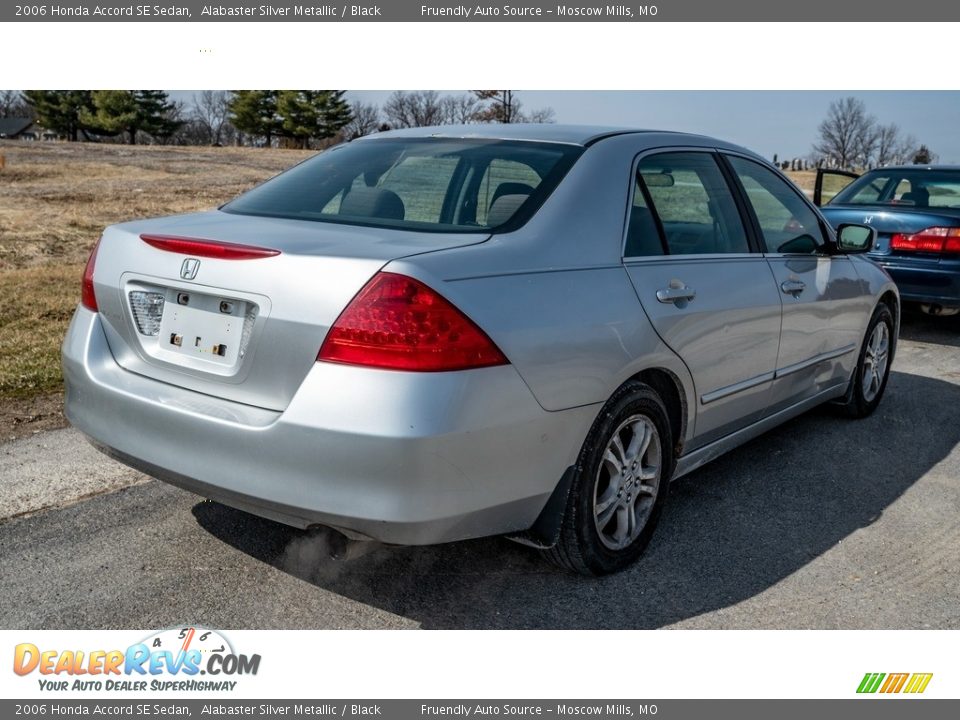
{"x": 892, "y": 220}
{"x": 242, "y": 328}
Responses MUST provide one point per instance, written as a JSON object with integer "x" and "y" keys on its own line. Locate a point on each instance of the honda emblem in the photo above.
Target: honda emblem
{"x": 188, "y": 271}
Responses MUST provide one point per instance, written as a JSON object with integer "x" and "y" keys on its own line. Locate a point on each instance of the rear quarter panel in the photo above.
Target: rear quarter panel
{"x": 554, "y": 295}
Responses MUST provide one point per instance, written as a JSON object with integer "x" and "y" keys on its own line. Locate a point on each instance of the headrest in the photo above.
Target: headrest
{"x": 510, "y": 188}
{"x": 373, "y": 203}
{"x": 503, "y": 208}
{"x": 919, "y": 196}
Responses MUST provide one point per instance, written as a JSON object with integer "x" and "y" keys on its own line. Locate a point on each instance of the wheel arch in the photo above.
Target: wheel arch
{"x": 891, "y": 299}
{"x": 546, "y": 529}
{"x": 670, "y": 389}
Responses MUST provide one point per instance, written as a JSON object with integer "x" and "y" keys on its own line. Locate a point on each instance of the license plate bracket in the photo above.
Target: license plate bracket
{"x": 205, "y": 327}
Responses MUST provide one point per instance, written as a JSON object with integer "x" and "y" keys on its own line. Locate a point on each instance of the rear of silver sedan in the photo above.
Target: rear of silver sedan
{"x": 399, "y": 457}
{"x": 277, "y": 365}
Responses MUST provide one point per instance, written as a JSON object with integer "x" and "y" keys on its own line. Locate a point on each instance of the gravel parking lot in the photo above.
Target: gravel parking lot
{"x": 822, "y": 523}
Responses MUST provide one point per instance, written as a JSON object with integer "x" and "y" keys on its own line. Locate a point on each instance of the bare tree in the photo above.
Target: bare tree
{"x": 428, "y": 107}
{"x": 893, "y": 147}
{"x": 365, "y": 120}
{"x": 543, "y": 115}
{"x": 211, "y": 111}
{"x": 503, "y": 106}
{"x": 459, "y": 109}
{"x": 847, "y": 134}
{"x": 904, "y": 150}
{"x": 414, "y": 109}
{"x": 888, "y": 140}
{"x": 13, "y": 104}
{"x": 867, "y": 144}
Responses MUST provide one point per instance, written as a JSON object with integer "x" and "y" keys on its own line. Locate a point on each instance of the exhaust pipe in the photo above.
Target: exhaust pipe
{"x": 939, "y": 310}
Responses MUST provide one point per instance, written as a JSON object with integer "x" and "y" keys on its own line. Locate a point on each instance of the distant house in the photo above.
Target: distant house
{"x": 14, "y": 128}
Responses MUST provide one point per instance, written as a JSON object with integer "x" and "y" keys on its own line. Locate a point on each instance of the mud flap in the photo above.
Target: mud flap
{"x": 545, "y": 532}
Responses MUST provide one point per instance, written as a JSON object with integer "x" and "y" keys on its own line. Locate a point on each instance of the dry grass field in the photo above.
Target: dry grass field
{"x": 55, "y": 198}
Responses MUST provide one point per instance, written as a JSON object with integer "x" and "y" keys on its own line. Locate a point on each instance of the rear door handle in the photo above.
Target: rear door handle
{"x": 677, "y": 293}
{"x": 792, "y": 287}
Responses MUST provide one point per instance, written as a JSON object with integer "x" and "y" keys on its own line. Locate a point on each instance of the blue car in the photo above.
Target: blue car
{"x": 916, "y": 212}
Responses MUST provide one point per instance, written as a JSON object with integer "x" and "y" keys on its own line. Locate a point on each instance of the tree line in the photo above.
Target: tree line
{"x": 850, "y": 138}
{"x": 267, "y": 118}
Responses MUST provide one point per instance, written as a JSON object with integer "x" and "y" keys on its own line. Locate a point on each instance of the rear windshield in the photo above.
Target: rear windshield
{"x": 433, "y": 184}
{"x": 909, "y": 188}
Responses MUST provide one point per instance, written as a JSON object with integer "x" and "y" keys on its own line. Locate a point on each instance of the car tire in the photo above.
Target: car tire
{"x": 873, "y": 366}
{"x": 610, "y": 515}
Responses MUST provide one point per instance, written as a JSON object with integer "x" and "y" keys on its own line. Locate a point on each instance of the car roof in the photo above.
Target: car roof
{"x": 544, "y": 132}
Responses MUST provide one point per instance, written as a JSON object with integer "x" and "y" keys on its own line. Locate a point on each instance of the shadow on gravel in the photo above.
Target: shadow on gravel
{"x": 921, "y": 327}
{"x": 731, "y": 530}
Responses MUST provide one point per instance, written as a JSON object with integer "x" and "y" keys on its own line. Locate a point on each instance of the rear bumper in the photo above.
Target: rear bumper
{"x": 405, "y": 458}
{"x": 936, "y": 284}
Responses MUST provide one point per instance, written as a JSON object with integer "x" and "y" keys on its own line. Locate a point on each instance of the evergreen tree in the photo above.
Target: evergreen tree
{"x": 255, "y": 112}
{"x": 131, "y": 112}
{"x": 60, "y": 110}
{"x": 337, "y": 114}
{"x": 923, "y": 156}
{"x": 156, "y": 113}
{"x": 312, "y": 114}
{"x": 113, "y": 112}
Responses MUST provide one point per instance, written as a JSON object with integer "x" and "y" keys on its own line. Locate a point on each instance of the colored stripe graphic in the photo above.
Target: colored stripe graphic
{"x": 918, "y": 682}
{"x": 895, "y": 683}
{"x": 870, "y": 682}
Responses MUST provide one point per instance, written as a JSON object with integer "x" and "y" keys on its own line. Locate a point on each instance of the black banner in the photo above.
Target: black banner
{"x": 853, "y": 709}
{"x": 860, "y": 11}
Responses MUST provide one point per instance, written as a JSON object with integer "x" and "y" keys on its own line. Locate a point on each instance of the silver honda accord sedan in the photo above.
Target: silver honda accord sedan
{"x": 445, "y": 333}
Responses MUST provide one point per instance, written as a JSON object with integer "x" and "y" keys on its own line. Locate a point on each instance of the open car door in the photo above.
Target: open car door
{"x": 829, "y": 183}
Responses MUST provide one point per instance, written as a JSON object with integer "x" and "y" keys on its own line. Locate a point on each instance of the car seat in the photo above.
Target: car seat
{"x": 373, "y": 203}
{"x": 919, "y": 196}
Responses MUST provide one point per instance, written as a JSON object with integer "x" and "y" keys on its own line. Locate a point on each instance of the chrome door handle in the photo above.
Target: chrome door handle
{"x": 676, "y": 294}
{"x": 792, "y": 287}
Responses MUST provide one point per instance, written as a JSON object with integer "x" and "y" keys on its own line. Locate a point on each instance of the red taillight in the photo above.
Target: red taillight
{"x": 398, "y": 323}
{"x": 207, "y": 248}
{"x": 87, "y": 297}
{"x": 931, "y": 240}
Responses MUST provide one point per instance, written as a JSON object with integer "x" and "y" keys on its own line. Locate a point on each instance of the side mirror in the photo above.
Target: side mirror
{"x": 855, "y": 239}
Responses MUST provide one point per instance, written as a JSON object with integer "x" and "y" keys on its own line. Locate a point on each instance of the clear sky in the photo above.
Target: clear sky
{"x": 777, "y": 121}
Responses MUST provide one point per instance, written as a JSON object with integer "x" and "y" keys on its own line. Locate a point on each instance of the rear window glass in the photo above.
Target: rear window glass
{"x": 907, "y": 187}
{"x": 447, "y": 185}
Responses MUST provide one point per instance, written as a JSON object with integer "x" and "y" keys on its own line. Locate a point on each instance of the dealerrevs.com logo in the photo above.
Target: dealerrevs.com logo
{"x": 910, "y": 683}
{"x": 172, "y": 659}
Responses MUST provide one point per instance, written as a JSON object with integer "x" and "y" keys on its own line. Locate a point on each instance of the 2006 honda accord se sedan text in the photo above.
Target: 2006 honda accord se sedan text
{"x": 436, "y": 334}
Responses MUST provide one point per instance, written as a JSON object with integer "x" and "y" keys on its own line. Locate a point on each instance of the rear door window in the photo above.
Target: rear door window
{"x": 693, "y": 204}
